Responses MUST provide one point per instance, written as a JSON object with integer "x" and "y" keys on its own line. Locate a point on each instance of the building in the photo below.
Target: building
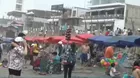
{"x": 100, "y": 2}
{"x": 111, "y": 16}
{"x": 50, "y": 21}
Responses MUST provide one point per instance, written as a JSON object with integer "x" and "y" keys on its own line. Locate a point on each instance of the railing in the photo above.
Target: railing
{"x": 117, "y": 16}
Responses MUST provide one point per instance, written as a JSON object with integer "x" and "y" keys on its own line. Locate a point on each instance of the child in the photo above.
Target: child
{"x": 113, "y": 73}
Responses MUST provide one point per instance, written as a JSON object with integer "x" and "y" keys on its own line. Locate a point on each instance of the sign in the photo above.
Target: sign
{"x": 57, "y": 7}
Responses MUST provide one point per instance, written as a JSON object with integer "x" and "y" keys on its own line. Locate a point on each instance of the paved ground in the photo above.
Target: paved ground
{"x": 78, "y": 73}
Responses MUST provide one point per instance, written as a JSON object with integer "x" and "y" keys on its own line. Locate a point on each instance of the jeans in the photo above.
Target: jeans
{"x": 68, "y": 70}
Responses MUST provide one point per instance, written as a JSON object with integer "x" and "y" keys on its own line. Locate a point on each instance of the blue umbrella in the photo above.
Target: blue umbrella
{"x": 114, "y": 39}
{"x": 129, "y": 40}
{"x": 99, "y": 39}
{"x": 137, "y": 41}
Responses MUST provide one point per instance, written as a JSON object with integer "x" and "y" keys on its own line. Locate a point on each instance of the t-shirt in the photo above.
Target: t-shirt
{"x": 56, "y": 60}
{"x": 112, "y": 70}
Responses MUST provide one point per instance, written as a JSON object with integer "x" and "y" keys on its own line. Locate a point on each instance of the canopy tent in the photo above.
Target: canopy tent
{"x": 84, "y": 36}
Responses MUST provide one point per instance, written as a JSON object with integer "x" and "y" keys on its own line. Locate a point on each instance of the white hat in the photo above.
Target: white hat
{"x": 19, "y": 39}
{"x": 60, "y": 42}
{"x": 25, "y": 32}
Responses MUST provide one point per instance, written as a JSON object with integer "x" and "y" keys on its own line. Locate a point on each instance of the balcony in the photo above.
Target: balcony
{"x": 110, "y": 16}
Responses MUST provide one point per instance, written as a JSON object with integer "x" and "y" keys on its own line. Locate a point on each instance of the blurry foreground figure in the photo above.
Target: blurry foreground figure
{"x": 16, "y": 58}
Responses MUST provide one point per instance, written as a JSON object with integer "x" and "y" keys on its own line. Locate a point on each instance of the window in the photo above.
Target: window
{"x": 18, "y": 7}
{"x": 74, "y": 13}
{"x": 20, "y": 1}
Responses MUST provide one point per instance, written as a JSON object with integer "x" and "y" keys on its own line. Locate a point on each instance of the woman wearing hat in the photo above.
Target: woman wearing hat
{"x": 16, "y": 57}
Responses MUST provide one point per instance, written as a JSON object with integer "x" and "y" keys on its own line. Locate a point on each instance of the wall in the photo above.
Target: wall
{"x": 118, "y": 24}
{"x": 132, "y": 17}
{"x": 79, "y": 12}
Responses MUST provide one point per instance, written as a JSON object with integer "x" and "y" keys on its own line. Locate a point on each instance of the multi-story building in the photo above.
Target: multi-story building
{"x": 112, "y": 14}
{"x": 99, "y": 2}
{"x": 54, "y": 20}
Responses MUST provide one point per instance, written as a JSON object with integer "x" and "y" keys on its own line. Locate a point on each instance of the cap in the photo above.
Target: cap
{"x": 19, "y": 39}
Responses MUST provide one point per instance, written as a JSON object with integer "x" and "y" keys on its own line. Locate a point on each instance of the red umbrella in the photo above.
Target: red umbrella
{"x": 55, "y": 39}
{"x": 70, "y": 42}
{"x": 84, "y": 36}
{"x": 39, "y": 39}
{"x": 77, "y": 39}
{"x": 29, "y": 38}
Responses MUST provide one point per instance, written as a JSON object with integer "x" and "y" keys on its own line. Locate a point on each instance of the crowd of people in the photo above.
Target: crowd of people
{"x": 119, "y": 32}
{"x": 58, "y": 58}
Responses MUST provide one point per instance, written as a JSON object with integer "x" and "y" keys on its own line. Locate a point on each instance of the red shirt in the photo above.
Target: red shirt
{"x": 107, "y": 33}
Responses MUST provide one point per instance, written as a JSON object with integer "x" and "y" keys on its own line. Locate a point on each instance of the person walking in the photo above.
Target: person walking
{"x": 69, "y": 60}
{"x": 16, "y": 58}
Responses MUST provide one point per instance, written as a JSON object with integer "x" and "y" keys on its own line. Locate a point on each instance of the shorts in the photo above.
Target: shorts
{"x": 84, "y": 57}
{"x": 35, "y": 54}
{"x": 15, "y": 72}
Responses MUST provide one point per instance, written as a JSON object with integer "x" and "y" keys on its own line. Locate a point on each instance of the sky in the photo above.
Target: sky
{"x": 46, "y": 4}
{"x": 39, "y": 4}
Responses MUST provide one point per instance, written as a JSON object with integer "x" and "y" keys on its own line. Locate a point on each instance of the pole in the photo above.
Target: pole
{"x": 91, "y": 25}
{"x": 44, "y": 24}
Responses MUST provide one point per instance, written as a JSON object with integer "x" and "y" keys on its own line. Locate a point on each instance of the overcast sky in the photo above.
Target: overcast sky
{"x": 46, "y": 4}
